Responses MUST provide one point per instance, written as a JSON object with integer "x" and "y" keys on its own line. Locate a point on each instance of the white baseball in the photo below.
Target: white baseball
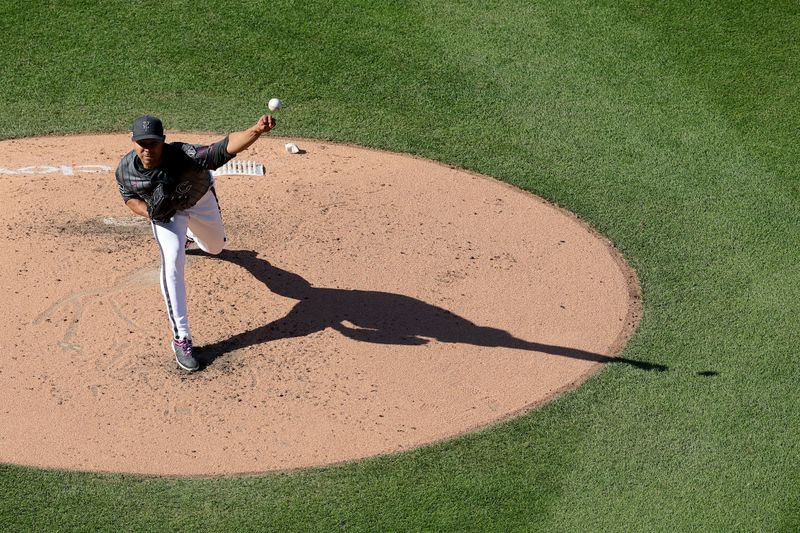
{"x": 274, "y": 104}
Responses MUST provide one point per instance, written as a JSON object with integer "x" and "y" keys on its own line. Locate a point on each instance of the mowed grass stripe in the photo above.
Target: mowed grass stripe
{"x": 664, "y": 125}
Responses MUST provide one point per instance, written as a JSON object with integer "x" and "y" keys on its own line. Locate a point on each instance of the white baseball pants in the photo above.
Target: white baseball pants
{"x": 202, "y": 223}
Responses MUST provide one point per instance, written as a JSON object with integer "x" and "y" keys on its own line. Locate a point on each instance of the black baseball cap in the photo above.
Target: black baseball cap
{"x": 148, "y": 127}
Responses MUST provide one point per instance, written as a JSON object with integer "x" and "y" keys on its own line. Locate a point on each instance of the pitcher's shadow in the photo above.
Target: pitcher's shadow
{"x": 369, "y": 316}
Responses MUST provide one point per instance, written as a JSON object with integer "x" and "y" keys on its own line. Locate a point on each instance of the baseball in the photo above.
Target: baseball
{"x": 274, "y": 104}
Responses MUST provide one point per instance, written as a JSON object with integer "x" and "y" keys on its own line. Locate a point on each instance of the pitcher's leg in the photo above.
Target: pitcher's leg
{"x": 205, "y": 224}
{"x": 171, "y": 239}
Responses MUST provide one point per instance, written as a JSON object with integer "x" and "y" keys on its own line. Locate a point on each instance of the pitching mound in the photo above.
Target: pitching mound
{"x": 368, "y": 303}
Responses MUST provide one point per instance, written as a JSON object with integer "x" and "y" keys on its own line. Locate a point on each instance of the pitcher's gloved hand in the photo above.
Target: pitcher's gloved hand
{"x": 160, "y": 206}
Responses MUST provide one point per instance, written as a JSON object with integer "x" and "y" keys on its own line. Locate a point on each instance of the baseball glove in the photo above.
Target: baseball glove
{"x": 160, "y": 206}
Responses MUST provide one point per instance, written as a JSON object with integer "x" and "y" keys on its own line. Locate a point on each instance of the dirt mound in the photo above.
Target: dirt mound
{"x": 368, "y": 303}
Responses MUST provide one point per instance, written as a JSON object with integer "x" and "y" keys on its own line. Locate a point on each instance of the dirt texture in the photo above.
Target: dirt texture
{"x": 368, "y": 303}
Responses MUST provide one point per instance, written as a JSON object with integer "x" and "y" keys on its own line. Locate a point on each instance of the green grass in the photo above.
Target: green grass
{"x": 669, "y": 126}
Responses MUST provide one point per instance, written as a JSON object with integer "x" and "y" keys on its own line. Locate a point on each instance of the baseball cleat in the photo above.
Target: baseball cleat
{"x": 190, "y": 244}
{"x": 183, "y": 354}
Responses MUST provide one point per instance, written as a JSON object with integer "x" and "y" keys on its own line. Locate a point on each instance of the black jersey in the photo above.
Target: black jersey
{"x": 184, "y": 169}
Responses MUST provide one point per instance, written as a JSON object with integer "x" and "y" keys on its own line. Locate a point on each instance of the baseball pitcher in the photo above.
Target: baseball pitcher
{"x": 171, "y": 185}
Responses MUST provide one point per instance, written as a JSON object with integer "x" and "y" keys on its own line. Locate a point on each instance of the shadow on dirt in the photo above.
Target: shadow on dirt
{"x": 370, "y": 316}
